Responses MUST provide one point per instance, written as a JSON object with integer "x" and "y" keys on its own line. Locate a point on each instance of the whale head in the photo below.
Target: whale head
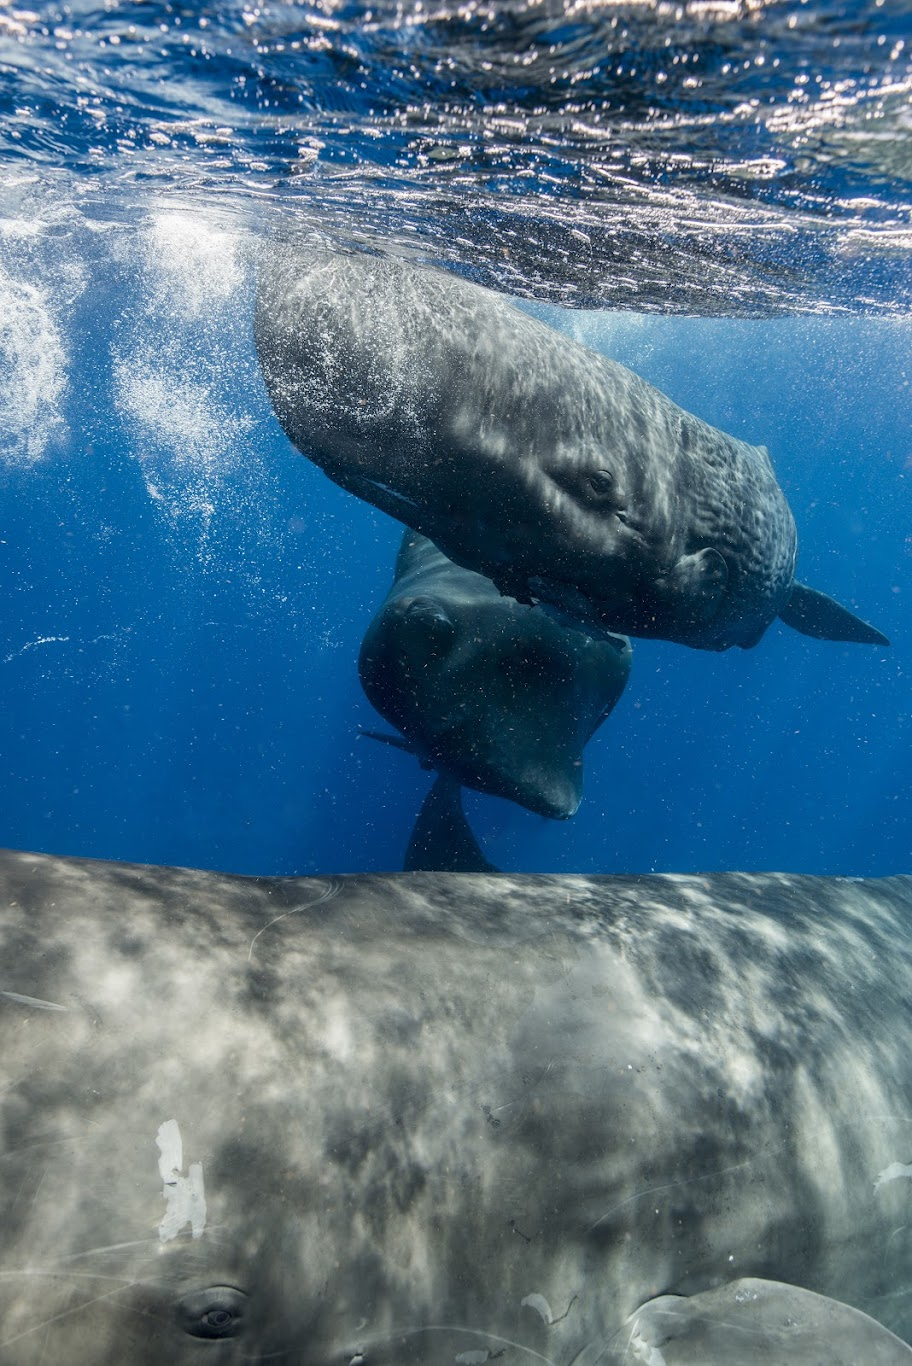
{"x": 497, "y": 695}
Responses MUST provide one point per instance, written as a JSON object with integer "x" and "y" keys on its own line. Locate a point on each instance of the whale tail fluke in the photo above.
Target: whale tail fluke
{"x": 814, "y": 614}
{"x": 442, "y": 841}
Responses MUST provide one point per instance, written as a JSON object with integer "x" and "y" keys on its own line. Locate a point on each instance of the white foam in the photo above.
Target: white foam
{"x": 178, "y": 414}
{"x": 192, "y": 265}
{"x": 33, "y": 372}
{"x": 182, "y": 365}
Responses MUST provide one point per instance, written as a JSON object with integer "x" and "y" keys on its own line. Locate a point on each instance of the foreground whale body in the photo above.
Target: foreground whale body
{"x": 557, "y": 473}
{"x": 495, "y": 695}
{"x": 446, "y": 1119}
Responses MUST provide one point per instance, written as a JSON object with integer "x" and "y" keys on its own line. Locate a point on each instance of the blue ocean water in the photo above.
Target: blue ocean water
{"x": 185, "y": 594}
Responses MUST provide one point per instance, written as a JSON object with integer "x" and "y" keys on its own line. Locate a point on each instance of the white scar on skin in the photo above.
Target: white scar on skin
{"x": 185, "y": 1198}
{"x": 540, "y": 1305}
{"x": 894, "y": 1172}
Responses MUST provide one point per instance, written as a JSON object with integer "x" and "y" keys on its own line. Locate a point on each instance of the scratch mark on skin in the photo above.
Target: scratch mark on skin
{"x": 542, "y": 1307}
{"x": 35, "y": 1001}
{"x": 70, "y": 1275}
{"x": 325, "y": 895}
{"x": 65, "y": 1314}
{"x": 99, "y": 1251}
{"x": 746, "y": 1330}
{"x": 895, "y": 1171}
{"x": 41, "y": 1140}
{"x": 672, "y": 1185}
{"x": 479, "y": 1333}
{"x": 560, "y": 1318}
{"x": 895, "y": 1294}
{"x": 283, "y": 1353}
{"x": 38, "y": 1187}
{"x": 367, "y": 1344}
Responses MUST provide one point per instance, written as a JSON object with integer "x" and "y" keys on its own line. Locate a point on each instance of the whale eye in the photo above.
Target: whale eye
{"x": 214, "y": 1313}
{"x": 431, "y": 618}
{"x": 600, "y": 483}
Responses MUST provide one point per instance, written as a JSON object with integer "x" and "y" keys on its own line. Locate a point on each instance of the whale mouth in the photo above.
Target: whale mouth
{"x": 571, "y": 608}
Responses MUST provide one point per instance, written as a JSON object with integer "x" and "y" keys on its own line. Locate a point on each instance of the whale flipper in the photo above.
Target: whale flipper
{"x": 698, "y": 582}
{"x": 442, "y": 841}
{"x": 748, "y": 1322}
{"x": 815, "y": 614}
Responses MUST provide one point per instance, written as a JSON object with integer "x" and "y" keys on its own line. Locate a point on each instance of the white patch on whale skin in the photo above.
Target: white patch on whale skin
{"x": 540, "y": 1305}
{"x": 472, "y": 1358}
{"x": 184, "y": 1195}
{"x": 895, "y": 1172}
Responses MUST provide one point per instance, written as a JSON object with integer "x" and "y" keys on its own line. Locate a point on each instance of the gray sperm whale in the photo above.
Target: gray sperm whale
{"x": 557, "y": 473}
{"x": 429, "y": 1119}
{"x": 498, "y": 696}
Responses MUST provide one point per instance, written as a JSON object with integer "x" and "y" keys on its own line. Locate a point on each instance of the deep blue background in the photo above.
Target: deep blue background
{"x": 200, "y": 703}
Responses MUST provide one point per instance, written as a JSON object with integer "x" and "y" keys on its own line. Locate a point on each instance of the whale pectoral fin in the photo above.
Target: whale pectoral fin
{"x": 749, "y": 1321}
{"x": 815, "y": 614}
{"x": 397, "y": 741}
{"x": 699, "y": 580}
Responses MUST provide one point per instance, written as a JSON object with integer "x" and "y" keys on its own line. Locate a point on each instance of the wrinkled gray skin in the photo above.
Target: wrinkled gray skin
{"x": 525, "y": 456}
{"x": 437, "y": 1118}
{"x": 496, "y": 695}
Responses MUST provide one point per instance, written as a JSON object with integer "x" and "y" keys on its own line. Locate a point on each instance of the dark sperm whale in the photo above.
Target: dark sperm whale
{"x": 497, "y": 696}
{"x": 554, "y": 471}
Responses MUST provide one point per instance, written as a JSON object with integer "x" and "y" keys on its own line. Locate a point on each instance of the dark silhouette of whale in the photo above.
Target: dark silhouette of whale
{"x": 498, "y": 696}
{"x": 419, "y": 1120}
{"x": 557, "y": 473}
{"x": 442, "y": 840}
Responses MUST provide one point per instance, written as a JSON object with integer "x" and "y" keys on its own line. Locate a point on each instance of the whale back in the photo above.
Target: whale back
{"x": 418, "y": 1116}
{"x": 476, "y": 424}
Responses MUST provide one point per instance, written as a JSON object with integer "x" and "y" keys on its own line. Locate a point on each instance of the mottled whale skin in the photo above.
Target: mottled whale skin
{"x": 525, "y": 456}
{"x": 430, "y": 1119}
{"x": 494, "y": 694}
